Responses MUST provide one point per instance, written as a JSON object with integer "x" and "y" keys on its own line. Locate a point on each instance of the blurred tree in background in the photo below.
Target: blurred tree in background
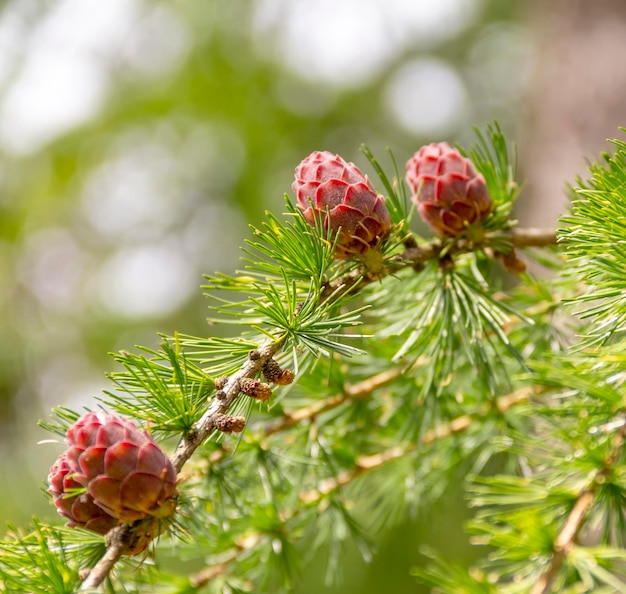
{"x": 138, "y": 139}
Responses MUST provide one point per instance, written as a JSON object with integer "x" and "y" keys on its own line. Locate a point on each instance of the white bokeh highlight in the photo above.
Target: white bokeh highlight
{"x": 146, "y": 281}
{"x": 426, "y": 97}
{"x": 52, "y": 266}
{"x": 61, "y": 82}
{"x": 61, "y": 69}
{"x": 348, "y": 43}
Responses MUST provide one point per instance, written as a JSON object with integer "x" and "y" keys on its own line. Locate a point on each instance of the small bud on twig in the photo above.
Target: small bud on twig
{"x": 512, "y": 263}
{"x": 256, "y": 389}
{"x": 229, "y": 424}
{"x": 274, "y": 374}
{"x": 220, "y": 382}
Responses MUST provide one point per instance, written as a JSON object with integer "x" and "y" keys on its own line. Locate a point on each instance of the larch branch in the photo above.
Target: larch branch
{"x": 564, "y": 542}
{"x": 416, "y": 256}
{"x": 412, "y": 257}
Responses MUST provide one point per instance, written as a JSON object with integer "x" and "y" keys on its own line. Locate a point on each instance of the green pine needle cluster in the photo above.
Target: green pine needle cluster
{"x": 595, "y": 241}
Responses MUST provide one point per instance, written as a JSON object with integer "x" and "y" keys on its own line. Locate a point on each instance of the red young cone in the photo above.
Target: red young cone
{"x": 126, "y": 474}
{"x": 449, "y": 194}
{"x": 344, "y": 197}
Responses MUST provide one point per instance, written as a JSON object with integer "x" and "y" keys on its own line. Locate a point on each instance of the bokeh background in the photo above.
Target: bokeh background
{"x": 139, "y": 138}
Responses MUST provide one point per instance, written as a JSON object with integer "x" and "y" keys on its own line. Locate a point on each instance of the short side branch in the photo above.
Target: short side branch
{"x": 532, "y": 237}
{"x": 564, "y": 542}
{"x": 566, "y": 539}
{"x": 359, "y": 390}
{"x": 366, "y": 463}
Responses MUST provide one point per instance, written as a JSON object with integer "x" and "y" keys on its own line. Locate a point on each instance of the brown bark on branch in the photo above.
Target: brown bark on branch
{"x": 219, "y": 406}
{"x": 519, "y": 238}
{"x": 117, "y": 545}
